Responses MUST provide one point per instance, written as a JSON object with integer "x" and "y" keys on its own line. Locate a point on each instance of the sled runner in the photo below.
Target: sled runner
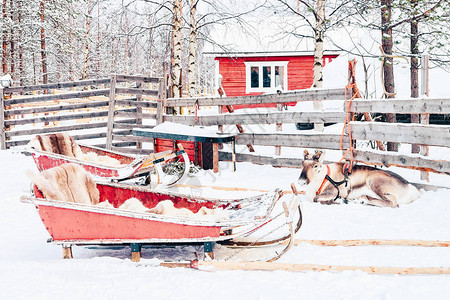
{"x": 110, "y": 165}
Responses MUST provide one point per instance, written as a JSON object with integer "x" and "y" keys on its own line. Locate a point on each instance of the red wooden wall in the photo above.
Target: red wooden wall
{"x": 300, "y": 72}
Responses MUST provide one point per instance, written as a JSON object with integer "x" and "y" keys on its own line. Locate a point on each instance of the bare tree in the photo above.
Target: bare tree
{"x": 176, "y": 49}
{"x": 90, "y": 7}
{"x": 192, "y": 47}
{"x": 4, "y": 40}
{"x": 43, "y": 49}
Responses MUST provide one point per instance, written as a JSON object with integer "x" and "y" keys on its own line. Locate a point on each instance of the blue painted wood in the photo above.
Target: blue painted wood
{"x": 217, "y": 138}
{"x": 135, "y": 247}
{"x": 208, "y": 246}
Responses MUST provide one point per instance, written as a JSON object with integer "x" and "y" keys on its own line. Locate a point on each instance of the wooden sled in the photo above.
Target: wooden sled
{"x": 71, "y": 223}
{"x": 130, "y": 166}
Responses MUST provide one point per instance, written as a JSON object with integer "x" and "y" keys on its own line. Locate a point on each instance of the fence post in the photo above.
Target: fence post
{"x": 139, "y": 113}
{"x": 279, "y": 128}
{"x": 160, "y": 103}
{"x": 424, "y": 118}
{"x": 220, "y": 127}
{"x": 111, "y": 108}
{"x": 2, "y": 119}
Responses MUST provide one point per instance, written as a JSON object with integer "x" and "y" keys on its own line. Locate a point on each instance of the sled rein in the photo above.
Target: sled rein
{"x": 336, "y": 184}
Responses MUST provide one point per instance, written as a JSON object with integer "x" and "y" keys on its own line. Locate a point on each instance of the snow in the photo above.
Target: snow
{"x": 30, "y": 268}
{"x": 175, "y": 128}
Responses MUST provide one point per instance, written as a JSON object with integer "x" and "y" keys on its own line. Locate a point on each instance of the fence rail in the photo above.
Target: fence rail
{"x": 293, "y": 96}
{"x": 119, "y": 107}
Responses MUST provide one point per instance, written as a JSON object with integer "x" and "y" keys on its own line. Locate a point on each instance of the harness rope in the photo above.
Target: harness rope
{"x": 336, "y": 184}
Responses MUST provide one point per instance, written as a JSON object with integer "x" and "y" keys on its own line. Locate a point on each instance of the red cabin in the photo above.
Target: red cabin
{"x": 245, "y": 73}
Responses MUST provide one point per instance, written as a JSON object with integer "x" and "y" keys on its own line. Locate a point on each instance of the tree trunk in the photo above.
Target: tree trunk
{"x": 11, "y": 43}
{"x": 192, "y": 48}
{"x": 21, "y": 67}
{"x": 5, "y": 41}
{"x": 388, "y": 66}
{"x": 318, "y": 55}
{"x": 70, "y": 38}
{"x": 318, "y": 46}
{"x": 43, "y": 50}
{"x": 86, "y": 39}
{"x": 414, "y": 40}
{"x": 176, "y": 49}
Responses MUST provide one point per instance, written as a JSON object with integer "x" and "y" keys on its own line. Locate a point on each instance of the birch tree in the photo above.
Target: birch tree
{"x": 192, "y": 47}
{"x": 176, "y": 49}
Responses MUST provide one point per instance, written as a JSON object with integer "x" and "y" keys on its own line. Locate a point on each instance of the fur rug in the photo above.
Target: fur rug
{"x": 67, "y": 182}
{"x": 64, "y": 144}
{"x": 166, "y": 207}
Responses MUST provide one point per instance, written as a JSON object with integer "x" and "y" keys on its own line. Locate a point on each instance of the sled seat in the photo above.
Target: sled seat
{"x": 67, "y": 182}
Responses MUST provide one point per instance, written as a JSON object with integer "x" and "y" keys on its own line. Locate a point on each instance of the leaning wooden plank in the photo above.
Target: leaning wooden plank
{"x": 52, "y": 108}
{"x": 412, "y": 161}
{"x": 371, "y": 242}
{"x": 59, "y": 85}
{"x": 316, "y": 141}
{"x": 433, "y": 135}
{"x": 259, "y": 118}
{"x": 291, "y": 96}
{"x": 403, "y": 106}
{"x": 136, "y": 91}
{"x": 271, "y": 266}
{"x": 68, "y": 95}
{"x": 238, "y": 126}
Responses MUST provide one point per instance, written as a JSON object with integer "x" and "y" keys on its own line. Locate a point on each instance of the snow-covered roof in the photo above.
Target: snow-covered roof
{"x": 267, "y": 54}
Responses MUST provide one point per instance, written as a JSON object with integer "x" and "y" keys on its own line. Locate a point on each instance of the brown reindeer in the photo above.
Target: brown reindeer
{"x": 328, "y": 184}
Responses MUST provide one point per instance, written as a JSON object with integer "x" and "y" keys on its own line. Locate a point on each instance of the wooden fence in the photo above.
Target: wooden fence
{"x": 84, "y": 112}
{"x": 423, "y": 134}
{"x": 126, "y": 112}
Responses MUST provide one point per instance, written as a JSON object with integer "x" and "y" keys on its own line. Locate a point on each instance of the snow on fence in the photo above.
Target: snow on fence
{"x": 126, "y": 113}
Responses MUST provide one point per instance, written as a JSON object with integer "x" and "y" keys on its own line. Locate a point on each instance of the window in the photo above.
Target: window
{"x": 266, "y": 76}
{"x": 255, "y": 77}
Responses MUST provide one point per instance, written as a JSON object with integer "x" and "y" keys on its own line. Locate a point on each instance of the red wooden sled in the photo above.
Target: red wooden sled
{"x": 130, "y": 167}
{"x": 80, "y": 224}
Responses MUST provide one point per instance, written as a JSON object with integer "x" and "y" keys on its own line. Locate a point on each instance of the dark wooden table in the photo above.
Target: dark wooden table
{"x": 207, "y": 137}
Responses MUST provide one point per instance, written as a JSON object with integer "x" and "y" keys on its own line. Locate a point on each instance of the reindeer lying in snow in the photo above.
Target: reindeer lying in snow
{"x": 327, "y": 184}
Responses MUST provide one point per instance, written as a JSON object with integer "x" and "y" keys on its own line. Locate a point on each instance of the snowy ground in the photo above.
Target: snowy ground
{"x": 32, "y": 269}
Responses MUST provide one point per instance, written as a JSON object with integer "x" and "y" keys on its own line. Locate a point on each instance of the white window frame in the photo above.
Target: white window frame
{"x": 260, "y": 64}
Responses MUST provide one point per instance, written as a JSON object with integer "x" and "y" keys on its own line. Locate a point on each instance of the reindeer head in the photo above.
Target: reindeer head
{"x": 311, "y": 166}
